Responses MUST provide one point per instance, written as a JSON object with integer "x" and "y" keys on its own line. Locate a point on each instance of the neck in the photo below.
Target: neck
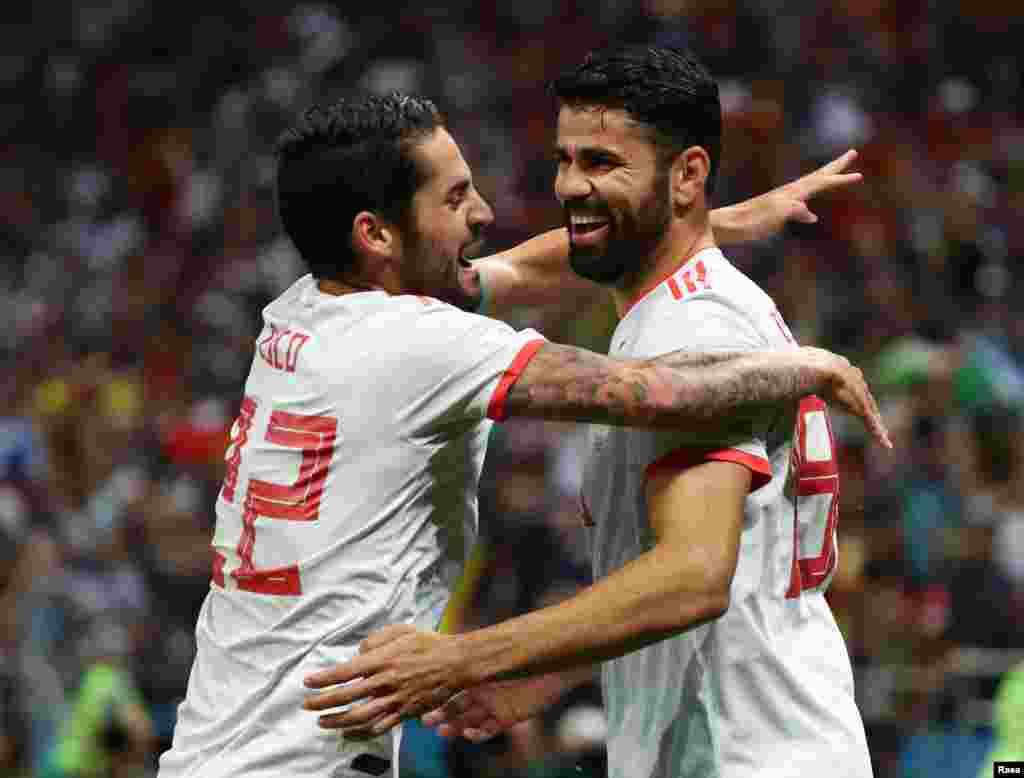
{"x": 681, "y": 241}
{"x": 347, "y": 286}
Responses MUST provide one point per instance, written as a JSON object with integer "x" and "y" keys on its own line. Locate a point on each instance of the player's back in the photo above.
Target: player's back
{"x": 769, "y": 683}
{"x": 349, "y": 502}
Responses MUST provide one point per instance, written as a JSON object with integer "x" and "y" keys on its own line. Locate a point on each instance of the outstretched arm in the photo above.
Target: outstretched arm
{"x": 536, "y": 273}
{"x": 684, "y": 580}
{"x": 685, "y": 389}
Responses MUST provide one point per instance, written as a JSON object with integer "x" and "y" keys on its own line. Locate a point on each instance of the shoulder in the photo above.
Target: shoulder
{"x": 432, "y": 316}
{"x": 705, "y": 302}
{"x": 711, "y": 278}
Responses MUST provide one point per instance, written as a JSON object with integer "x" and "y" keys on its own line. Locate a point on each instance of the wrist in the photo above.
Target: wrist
{"x": 818, "y": 370}
{"x": 731, "y": 224}
{"x": 466, "y": 666}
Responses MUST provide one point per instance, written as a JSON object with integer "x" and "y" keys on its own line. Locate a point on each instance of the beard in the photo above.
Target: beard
{"x": 631, "y": 237}
{"x": 432, "y": 272}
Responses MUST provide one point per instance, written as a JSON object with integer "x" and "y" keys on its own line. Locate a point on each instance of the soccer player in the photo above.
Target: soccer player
{"x": 712, "y": 548}
{"x": 349, "y": 500}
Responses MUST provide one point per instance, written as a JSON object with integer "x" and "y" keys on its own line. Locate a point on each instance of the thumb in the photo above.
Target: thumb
{"x": 801, "y": 213}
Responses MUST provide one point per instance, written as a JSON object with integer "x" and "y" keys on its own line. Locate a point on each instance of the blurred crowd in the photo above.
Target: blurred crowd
{"x": 141, "y": 243}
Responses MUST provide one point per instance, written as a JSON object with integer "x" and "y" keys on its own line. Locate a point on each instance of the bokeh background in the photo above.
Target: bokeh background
{"x": 140, "y": 243}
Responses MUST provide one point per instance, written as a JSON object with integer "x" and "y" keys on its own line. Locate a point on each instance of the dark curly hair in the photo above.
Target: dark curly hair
{"x": 337, "y": 160}
{"x": 666, "y": 89}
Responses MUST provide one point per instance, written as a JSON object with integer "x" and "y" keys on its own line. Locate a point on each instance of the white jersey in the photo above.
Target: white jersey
{"x": 349, "y": 503}
{"x": 767, "y": 689}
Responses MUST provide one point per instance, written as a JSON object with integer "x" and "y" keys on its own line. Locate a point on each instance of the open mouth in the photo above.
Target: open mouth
{"x": 587, "y": 229}
{"x": 582, "y": 228}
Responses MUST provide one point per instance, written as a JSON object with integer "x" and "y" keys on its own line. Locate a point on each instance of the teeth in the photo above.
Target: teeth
{"x": 586, "y": 219}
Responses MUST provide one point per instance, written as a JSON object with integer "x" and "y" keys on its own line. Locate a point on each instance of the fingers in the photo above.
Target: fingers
{"x": 368, "y": 719}
{"x": 461, "y": 716}
{"x": 372, "y": 659}
{"x": 363, "y": 731}
{"x": 827, "y": 177}
{"x": 479, "y": 735}
{"x": 338, "y": 674}
{"x": 839, "y": 164}
{"x": 474, "y": 734}
{"x": 873, "y": 421}
{"x": 369, "y": 661}
{"x": 458, "y": 711}
{"x": 345, "y": 695}
{"x": 871, "y": 414}
{"x": 385, "y": 635}
{"x": 359, "y": 717}
{"x": 856, "y": 396}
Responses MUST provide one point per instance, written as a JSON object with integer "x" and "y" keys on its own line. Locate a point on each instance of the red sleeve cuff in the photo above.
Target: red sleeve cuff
{"x": 496, "y": 408}
{"x": 683, "y": 458}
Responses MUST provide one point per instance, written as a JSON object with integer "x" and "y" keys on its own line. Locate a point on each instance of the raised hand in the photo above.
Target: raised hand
{"x": 766, "y": 215}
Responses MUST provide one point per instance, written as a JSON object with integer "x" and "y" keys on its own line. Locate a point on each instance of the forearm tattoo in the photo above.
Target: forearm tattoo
{"x": 682, "y": 388}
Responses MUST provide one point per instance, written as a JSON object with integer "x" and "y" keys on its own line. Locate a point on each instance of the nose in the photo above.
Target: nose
{"x": 571, "y": 184}
{"x": 481, "y": 214}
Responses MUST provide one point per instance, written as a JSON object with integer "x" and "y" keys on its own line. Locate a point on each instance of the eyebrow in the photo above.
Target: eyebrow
{"x": 458, "y": 187}
{"x": 591, "y": 151}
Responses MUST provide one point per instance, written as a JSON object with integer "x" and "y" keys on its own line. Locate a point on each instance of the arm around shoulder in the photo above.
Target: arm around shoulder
{"x": 683, "y": 389}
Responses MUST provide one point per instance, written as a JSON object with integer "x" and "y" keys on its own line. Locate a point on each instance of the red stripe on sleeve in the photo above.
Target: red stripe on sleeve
{"x": 682, "y": 458}
{"x": 496, "y": 408}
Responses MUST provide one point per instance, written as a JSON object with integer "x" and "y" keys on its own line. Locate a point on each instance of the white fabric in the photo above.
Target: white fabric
{"x": 767, "y": 689}
{"x": 408, "y": 381}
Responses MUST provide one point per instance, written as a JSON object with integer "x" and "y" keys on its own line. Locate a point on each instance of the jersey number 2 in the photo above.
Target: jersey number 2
{"x": 815, "y": 498}
{"x": 315, "y": 438}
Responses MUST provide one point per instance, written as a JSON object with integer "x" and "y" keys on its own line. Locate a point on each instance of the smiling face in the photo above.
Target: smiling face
{"x": 613, "y": 190}
{"x": 446, "y": 222}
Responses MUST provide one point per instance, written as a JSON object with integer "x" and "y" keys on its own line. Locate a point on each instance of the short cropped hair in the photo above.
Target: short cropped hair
{"x": 350, "y": 156}
{"x": 666, "y": 89}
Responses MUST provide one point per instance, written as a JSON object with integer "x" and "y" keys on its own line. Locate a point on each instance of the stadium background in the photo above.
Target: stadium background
{"x": 140, "y": 244}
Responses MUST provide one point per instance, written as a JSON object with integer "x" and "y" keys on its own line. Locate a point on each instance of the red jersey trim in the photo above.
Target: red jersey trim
{"x": 682, "y": 458}
{"x": 496, "y": 408}
{"x": 670, "y": 277}
{"x": 218, "y": 569}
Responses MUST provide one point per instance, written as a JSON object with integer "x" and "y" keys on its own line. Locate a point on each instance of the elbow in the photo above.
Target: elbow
{"x": 694, "y": 606}
{"x": 718, "y": 590}
{"x": 715, "y": 596}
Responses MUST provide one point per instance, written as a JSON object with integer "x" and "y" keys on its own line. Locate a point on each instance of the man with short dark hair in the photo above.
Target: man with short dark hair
{"x": 349, "y": 499}
{"x": 712, "y": 546}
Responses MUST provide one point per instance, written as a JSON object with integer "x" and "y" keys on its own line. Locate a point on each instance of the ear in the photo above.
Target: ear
{"x": 374, "y": 238}
{"x": 689, "y": 173}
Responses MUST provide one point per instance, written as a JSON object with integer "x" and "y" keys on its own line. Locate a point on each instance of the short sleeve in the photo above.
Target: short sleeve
{"x": 451, "y": 366}
{"x": 702, "y": 324}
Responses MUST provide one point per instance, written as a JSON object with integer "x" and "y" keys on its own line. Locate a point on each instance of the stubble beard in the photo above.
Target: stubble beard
{"x": 443, "y": 279}
{"x": 630, "y": 241}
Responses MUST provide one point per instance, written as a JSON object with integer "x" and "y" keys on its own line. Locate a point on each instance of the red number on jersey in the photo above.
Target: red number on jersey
{"x": 239, "y": 437}
{"x": 314, "y": 437}
{"x": 815, "y": 497}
